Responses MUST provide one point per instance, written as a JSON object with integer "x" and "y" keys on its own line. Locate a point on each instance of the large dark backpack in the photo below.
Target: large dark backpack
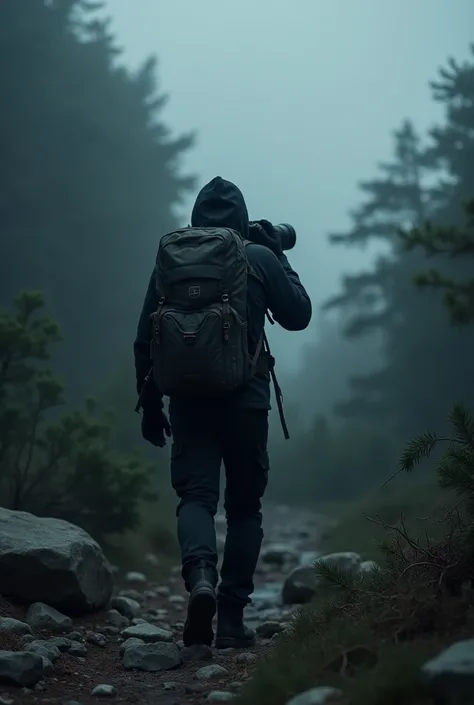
{"x": 200, "y": 343}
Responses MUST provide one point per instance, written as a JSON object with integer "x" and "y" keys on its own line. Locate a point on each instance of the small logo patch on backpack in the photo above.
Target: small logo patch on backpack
{"x": 194, "y": 292}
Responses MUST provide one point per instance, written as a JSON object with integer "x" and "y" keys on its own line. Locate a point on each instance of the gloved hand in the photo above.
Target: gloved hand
{"x": 155, "y": 426}
{"x": 263, "y": 233}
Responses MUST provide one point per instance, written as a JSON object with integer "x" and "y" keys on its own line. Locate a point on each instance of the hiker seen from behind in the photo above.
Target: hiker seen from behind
{"x": 201, "y": 342}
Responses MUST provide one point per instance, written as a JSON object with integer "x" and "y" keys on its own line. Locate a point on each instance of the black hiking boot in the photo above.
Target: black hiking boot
{"x": 201, "y": 607}
{"x": 232, "y": 633}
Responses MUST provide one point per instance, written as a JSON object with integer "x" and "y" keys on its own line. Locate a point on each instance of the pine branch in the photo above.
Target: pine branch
{"x": 460, "y": 455}
{"x": 463, "y": 423}
{"x": 334, "y": 575}
{"x": 451, "y": 242}
{"x": 417, "y": 449}
{"x": 456, "y": 477}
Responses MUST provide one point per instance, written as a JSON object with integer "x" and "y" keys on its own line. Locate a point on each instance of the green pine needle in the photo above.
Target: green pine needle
{"x": 417, "y": 449}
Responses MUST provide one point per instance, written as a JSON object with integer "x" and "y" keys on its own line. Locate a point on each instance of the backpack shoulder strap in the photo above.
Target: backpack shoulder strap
{"x": 251, "y": 270}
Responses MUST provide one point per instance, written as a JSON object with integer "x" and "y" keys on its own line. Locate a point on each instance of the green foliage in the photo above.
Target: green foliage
{"x": 337, "y": 578}
{"x": 417, "y": 449}
{"x": 90, "y": 177}
{"x": 456, "y": 465}
{"x": 368, "y": 634}
{"x": 52, "y": 464}
{"x": 453, "y": 242}
{"x": 330, "y": 645}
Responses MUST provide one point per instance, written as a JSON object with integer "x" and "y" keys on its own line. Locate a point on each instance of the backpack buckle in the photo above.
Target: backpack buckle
{"x": 225, "y": 304}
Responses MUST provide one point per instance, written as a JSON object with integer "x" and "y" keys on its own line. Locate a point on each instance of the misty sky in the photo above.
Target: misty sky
{"x": 295, "y": 101}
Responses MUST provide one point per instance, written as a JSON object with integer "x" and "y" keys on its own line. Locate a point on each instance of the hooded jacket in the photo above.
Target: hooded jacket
{"x": 221, "y": 204}
{"x": 276, "y": 287}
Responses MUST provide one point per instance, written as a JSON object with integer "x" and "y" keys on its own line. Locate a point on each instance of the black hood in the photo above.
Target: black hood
{"x": 220, "y": 204}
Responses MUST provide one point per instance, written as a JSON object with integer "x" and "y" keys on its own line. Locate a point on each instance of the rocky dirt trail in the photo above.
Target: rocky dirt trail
{"x": 103, "y": 656}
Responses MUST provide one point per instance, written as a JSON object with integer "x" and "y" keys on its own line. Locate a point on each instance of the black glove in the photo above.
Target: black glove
{"x": 155, "y": 426}
{"x": 263, "y": 233}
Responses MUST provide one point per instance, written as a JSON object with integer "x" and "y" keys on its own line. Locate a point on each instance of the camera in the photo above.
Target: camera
{"x": 287, "y": 235}
{"x": 284, "y": 231}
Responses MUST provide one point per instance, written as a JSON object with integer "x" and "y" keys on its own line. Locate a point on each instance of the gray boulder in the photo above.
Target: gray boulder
{"x": 44, "y": 648}
{"x": 134, "y": 576}
{"x": 163, "y": 591}
{"x": 246, "y": 657}
{"x": 321, "y": 695}
{"x": 212, "y": 672}
{"x": 138, "y": 620}
{"x": 77, "y": 649}
{"x": 104, "y": 690}
{"x": 152, "y": 657}
{"x": 62, "y": 643}
{"x": 300, "y": 586}
{"x": 116, "y": 619}
{"x": 346, "y": 560}
{"x": 368, "y": 567}
{"x": 13, "y": 626}
{"x": 125, "y": 605}
{"x": 48, "y": 668}
{"x": 42, "y": 617}
{"x": 268, "y": 629}
{"x": 96, "y": 639}
{"x": 21, "y": 668}
{"x": 131, "y": 641}
{"x": 148, "y": 632}
{"x": 133, "y": 594}
{"x": 450, "y": 675}
{"x": 52, "y": 561}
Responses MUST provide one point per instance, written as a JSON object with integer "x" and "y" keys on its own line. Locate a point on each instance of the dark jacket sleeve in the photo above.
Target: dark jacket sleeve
{"x": 141, "y": 346}
{"x": 287, "y": 298}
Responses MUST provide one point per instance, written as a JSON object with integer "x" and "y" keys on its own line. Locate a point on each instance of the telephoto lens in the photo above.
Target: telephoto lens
{"x": 287, "y": 235}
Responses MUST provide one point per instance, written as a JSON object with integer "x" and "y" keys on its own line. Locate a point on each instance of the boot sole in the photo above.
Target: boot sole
{"x": 201, "y": 610}
{"x": 229, "y": 642}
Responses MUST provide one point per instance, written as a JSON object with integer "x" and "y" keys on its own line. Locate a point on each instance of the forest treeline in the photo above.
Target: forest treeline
{"x": 91, "y": 177}
{"x": 397, "y": 305}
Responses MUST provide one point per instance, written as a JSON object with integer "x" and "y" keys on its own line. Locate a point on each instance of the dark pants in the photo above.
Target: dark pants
{"x": 201, "y": 441}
